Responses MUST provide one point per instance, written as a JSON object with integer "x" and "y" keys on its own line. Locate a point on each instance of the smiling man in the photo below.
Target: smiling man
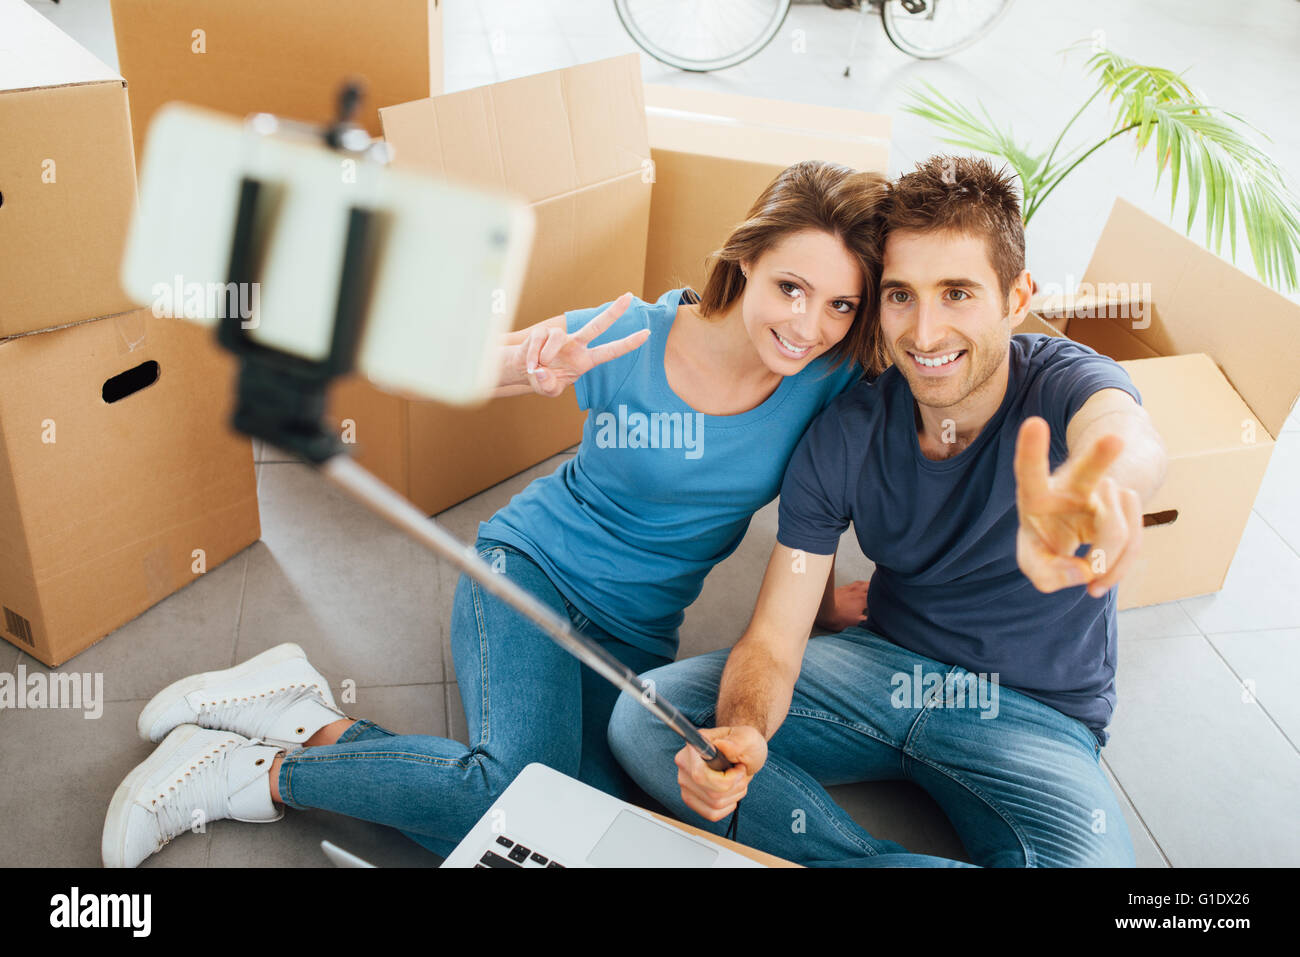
{"x": 997, "y": 481}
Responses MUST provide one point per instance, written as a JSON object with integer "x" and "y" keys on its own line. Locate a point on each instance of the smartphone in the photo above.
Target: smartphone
{"x": 449, "y": 259}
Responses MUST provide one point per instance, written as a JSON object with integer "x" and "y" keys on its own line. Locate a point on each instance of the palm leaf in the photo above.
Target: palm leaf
{"x": 1224, "y": 167}
{"x": 977, "y": 133}
{"x": 1211, "y": 154}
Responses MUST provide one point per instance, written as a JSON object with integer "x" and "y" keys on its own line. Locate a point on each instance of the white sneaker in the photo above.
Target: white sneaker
{"x": 193, "y": 778}
{"x": 277, "y": 697}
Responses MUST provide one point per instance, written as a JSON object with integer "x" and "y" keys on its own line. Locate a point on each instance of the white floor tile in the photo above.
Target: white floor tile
{"x": 1293, "y": 420}
{"x": 517, "y": 54}
{"x": 1213, "y": 777}
{"x": 1156, "y": 621}
{"x": 1278, "y": 502}
{"x": 1146, "y": 853}
{"x": 1268, "y": 665}
{"x": 1260, "y": 590}
{"x": 357, "y": 594}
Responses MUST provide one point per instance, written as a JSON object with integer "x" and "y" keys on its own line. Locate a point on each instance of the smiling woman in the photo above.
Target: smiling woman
{"x": 812, "y": 222}
{"x": 731, "y": 361}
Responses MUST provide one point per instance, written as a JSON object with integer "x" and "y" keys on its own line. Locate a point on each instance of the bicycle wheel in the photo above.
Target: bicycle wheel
{"x": 702, "y": 35}
{"x": 939, "y": 27}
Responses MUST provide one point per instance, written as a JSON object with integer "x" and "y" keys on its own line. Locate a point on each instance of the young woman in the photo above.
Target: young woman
{"x": 695, "y": 404}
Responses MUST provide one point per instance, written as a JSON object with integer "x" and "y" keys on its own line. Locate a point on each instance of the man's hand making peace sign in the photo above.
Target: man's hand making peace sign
{"x": 1116, "y": 462}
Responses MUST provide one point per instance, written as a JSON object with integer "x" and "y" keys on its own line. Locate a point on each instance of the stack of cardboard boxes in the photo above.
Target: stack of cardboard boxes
{"x": 120, "y": 481}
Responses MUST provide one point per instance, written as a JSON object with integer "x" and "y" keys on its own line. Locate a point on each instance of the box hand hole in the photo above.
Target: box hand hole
{"x": 130, "y": 382}
{"x": 1166, "y": 517}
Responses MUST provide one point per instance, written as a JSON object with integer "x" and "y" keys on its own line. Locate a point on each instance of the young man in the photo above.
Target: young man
{"x": 997, "y": 481}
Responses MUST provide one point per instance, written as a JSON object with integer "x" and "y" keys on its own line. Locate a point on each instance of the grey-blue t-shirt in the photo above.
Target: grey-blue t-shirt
{"x": 943, "y": 533}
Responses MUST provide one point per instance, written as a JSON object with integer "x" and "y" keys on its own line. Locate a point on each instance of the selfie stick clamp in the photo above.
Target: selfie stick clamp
{"x": 282, "y": 400}
{"x": 282, "y": 397}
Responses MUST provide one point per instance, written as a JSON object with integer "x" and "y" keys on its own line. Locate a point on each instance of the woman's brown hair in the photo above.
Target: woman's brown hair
{"x": 818, "y": 195}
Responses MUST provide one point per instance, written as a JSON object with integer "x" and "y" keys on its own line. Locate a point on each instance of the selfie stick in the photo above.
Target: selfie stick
{"x": 282, "y": 399}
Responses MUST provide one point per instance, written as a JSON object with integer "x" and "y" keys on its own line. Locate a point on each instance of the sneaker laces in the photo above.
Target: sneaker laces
{"x": 203, "y": 786}
{"x": 254, "y": 715}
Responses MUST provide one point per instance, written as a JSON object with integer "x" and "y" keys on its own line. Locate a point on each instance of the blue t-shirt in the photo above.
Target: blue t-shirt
{"x": 943, "y": 533}
{"x": 658, "y": 493}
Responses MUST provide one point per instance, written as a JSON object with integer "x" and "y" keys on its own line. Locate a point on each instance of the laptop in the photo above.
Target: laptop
{"x": 546, "y": 819}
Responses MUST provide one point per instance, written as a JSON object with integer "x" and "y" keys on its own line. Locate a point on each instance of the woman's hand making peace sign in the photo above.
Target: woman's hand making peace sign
{"x": 548, "y": 359}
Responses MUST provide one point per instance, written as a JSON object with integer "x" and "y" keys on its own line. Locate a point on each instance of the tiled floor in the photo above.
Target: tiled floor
{"x": 1204, "y": 749}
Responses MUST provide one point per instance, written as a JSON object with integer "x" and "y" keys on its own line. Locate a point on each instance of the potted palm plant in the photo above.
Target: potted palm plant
{"x": 1205, "y": 149}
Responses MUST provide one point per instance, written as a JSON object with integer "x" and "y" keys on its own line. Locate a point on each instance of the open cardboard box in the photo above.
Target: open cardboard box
{"x": 1215, "y": 355}
{"x": 286, "y": 57}
{"x": 67, "y": 177}
{"x": 714, "y": 153}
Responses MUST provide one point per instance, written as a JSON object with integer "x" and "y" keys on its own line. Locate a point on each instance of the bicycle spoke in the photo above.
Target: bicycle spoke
{"x": 707, "y": 34}
{"x": 944, "y": 26}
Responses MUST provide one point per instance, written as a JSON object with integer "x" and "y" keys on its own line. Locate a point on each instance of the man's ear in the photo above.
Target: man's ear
{"x": 1018, "y": 298}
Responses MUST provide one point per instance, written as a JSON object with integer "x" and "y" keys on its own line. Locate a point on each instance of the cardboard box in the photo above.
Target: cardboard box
{"x": 120, "y": 479}
{"x": 714, "y": 153}
{"x": 67, "y": 177}
{"x": 572, "y": 143}
{"x": 1214, "y": 354}
{"x": 288, "y": 57}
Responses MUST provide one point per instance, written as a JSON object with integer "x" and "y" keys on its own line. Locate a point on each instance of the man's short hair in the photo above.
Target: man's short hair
{"x": 963, "y": 194}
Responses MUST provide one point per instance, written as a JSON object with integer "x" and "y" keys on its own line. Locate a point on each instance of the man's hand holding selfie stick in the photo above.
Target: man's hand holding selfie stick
{"x": 758, "y": 681}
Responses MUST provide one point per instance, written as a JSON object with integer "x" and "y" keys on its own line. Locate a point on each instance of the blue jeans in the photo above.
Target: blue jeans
{"x": 1023, "y": 787}
{"x": 526, "y": 699}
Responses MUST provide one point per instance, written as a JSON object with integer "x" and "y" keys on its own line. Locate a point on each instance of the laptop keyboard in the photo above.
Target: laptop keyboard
{"x": 509, "y": 853}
